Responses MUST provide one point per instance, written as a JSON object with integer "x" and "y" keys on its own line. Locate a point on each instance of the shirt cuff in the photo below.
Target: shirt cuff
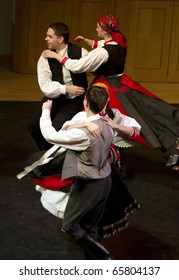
{"x": 63, "y": 89}
{"x": 64, "y": 59}
{"x": 45, "y": 112}
{"x": 95, "y": 44}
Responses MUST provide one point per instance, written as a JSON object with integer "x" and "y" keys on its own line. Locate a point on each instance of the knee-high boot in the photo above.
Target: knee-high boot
{"x": 93, "y": 248}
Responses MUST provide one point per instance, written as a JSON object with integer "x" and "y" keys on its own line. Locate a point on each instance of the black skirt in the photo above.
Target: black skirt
{"x": 120, "y": 204}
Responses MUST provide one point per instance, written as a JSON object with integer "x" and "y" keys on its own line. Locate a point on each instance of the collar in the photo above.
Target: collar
{"x": 64, "y": 51}
{"x": 93, "y": 118}
{"x": 109, "y": 42}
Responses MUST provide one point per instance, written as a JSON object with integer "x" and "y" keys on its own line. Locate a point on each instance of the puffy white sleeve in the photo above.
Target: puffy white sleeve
{"x": 62, "y": 136}
{"x": 88, "y": 63}
{"x": 49, "y": 88}
{"x": 126, "y": 121}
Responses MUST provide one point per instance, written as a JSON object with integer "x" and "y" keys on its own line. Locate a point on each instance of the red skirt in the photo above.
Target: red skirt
{"x": 158, "y": 119}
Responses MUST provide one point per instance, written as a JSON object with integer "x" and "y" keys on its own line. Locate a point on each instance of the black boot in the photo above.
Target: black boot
{"x": 93, "y": 249}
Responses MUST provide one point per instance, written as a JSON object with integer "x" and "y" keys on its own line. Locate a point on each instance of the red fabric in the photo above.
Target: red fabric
{"x": 114, "y": 154}
{"x": 110, "y": 24}
{"x": 127, "y": 81}
{"x": 114, "y": 102}
{"x": 120, "y": 39}
{"x": 64, "y": 60}
{"x": 53, "y": 182}
{"x": 95, "y": 44}
{"x": 118, "y": 155}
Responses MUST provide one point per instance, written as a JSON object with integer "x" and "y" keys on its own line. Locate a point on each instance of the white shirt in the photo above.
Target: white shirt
{"x": 49, "y": 88}
{"x": 91, "y": 62}
{"x": 77, "y": 135}
{"x": 64, "y": 136}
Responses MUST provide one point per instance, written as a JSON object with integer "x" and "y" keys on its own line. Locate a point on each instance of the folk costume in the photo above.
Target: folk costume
{"x": 52, "y": 79}
{"x": 92, "y": 185}
{"x": 55, "y": 191}
{"x": 158, "y": 119}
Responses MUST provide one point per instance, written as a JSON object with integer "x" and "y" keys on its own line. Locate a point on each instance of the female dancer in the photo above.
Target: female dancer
{"x": 158, "y": 119}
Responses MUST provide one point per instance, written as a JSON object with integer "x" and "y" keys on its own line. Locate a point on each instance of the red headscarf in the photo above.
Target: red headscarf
{"x": 110, "y": 24}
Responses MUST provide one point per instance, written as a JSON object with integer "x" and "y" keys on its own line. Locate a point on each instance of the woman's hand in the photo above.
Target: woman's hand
{"x": 80, "y": 39}
{"x": 51, "y": 54}
{"x": 109, "y": 121}
{"x": 122, "y": 130}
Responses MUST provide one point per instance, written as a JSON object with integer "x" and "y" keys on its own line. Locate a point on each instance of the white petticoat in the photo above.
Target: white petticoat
{"x": 53, "y": 201}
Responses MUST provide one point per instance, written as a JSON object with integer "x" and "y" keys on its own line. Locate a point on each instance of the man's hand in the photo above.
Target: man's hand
{"x": 75, "y": 90}
{"x": 47, "y": 105}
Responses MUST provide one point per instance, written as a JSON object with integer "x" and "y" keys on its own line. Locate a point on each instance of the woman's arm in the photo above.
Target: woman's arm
{"x": 89, "y": 63}
{"x": 122, "y": 130}
{"x": 82, "y": 39}
{"x": 127, "y": 121}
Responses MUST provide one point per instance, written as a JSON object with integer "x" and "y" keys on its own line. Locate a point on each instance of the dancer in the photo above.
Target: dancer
{"x": 90, "y": 167}
{"x": 158, "y": 119}
{"x": 65, "y": 88}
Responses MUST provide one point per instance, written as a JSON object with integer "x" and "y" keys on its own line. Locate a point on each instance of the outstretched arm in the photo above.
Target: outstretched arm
{"x": 88, "y": 63}
{"x": 84, "y": 40}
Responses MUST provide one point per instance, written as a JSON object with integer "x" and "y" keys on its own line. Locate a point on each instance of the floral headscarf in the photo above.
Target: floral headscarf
{"x": 110, "y": 24}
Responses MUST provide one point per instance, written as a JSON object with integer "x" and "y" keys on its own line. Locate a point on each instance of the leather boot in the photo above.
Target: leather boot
{"x": 93, "y": 249}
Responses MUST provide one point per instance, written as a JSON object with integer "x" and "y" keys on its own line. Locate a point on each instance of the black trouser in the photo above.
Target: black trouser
{"x": 83, "y": 212}
{"x": 85, "y": 206}
{"x": 63, "y": 109}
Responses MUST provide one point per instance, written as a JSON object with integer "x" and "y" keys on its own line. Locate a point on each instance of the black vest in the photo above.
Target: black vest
{"x": 74, "y": 52}
{"x": 116, "y": 62}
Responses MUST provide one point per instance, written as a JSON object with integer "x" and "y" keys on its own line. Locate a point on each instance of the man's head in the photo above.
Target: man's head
{"x": 96, "y": 99}
{"x": 57, "y": 35}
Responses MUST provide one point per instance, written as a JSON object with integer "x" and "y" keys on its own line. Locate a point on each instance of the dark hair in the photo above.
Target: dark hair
{"x": 61, "y": 29}
{"x": 97, "y": 98}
